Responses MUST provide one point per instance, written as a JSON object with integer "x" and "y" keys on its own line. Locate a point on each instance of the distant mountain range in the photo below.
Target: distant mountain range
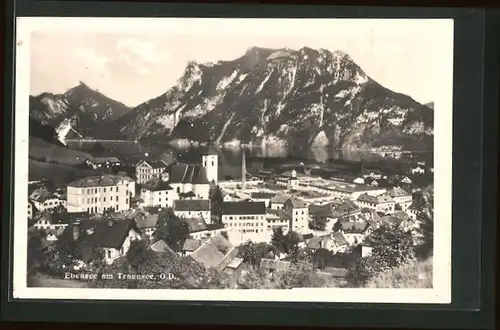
{"x": 301, "y": 98}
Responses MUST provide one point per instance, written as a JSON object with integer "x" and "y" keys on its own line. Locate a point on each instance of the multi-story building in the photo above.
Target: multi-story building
{"x": 43, "y": 200}
{"x": 187, "y": 179}
{"x": 401, "y": 197}
{"x": 299, "y": 215}
{"x": 193, "y": 208}
{"x": 244, "y": 217}
{"x": 31, "y": 210}
{"x": 211, "y": 164}
{"x": 147, "y": 170}
{"x": 96, "y": 194}
{"x": 159, "y": 193}
{"x": 381, "y": 203}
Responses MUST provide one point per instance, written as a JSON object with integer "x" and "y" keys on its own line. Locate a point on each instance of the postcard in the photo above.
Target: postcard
{"x": 242, "y": 159}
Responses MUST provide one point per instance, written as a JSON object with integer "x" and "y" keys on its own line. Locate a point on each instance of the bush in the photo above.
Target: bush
{"x": 411, "y": 275}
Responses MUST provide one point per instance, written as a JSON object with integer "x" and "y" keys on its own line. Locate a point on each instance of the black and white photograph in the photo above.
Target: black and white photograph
{"x": 242, "y": 159}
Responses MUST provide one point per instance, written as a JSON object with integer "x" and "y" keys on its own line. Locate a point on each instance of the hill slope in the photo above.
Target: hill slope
{"x": 301, "y": 98}
{"x": 86, "y": 110}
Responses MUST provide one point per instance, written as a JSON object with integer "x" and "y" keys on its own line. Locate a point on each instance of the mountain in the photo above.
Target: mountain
{"x": 44, "y": 132}
{"x": 299, "y": 98}
{"x": 86, "y": 111}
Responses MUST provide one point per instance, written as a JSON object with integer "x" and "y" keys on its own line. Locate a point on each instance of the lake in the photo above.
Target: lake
{"x": 229, "y": 159}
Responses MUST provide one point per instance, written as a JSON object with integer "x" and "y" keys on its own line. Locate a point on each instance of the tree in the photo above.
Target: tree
{"x": 318, "y": 223}
{"x": 216, "y": 199}
{"x": 391, "y": 247}
{"x": 171, "y": 229}
{"x": 337, "y": 226}
{"x": 252, "y": 253}
{"x": 300, "y": 274}
{"x": 285, "y": 243}
{"x": 321, "y": 257}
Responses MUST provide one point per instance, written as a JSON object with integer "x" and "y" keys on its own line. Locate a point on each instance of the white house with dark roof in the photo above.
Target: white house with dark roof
{"x": 95, "y": 194}
{"x": 355, "y": 232}
{"x": 146, "y": 222}
{"x": 401, "y": 197}
{"x": 262, "y": 196}
{"x": 188, "y": 179}
{"x": 43, "y": 200}
{"x": 158, "y": 193}
{"x": 216, "y": 252}
{"x": 278, "y": 201}
{"x": 112, "y": 237}
{"x": 299, "y": 214}
{"x": 194, "y": 208}
{"x": 381, "y": 203}
{"x": 244, "y": 217}
{"x": 147, "y": 170}
{"x": 102, "y": 162}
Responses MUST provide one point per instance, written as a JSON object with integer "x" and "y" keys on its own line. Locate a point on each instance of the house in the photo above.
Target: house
{"x": 199, "y": 229}
{"x": 299, "y": 214}
{"x": 31, "y": 209}
{"x": 102, "y": 162}
{"x": 234, "y": 268}
{"x": 244, "y": 216}
{"x": 146, "y": 222}
{"x": 112, "y": 237}
{"x": 262, "y": 197}
{"x": 341, "y": 243}
{"x": 406, "y": 180}
{"x": 158, "y": 192}
{"x": 288, "y": 179}
{"x": 195, "y": 208}
{"x": 321, "y": 242}
{"x": 190, "y": 245}
{"x": 278, "y": 201}
{"x": 418, "y": 170}
{"x": 354, "y": 232}
{"x": 216, "y": 253}
{"x": 147, "y": 170}
{"x": 401, "y": 198}
{"x": 96, "y": 194}
{"x": 381, "y": 203}
{"x": 342, "y": 189}
{"x": 51, "y": 221}
{"x": 43, "y": 200}
{"x": 271, "y": 266}
{"x": 304, "y": 240}
{"x": 278, "y": 218}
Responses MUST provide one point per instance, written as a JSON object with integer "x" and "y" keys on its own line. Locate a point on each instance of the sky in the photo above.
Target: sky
{"x": 136, "y": 60}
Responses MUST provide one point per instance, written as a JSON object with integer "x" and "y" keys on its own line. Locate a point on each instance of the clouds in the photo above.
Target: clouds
{"x": 139, "y": 54}
{"x": 92, "y": 59}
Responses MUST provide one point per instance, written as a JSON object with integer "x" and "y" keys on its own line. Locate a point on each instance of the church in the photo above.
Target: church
{"x": 192, "y": 181}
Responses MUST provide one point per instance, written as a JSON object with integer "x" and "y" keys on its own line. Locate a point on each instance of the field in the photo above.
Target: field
{"x": 40, "y": 149}
{"x": 56, "y": 172}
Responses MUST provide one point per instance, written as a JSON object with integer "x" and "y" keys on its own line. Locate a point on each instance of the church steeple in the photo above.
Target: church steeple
{"x": 211, "y": 162}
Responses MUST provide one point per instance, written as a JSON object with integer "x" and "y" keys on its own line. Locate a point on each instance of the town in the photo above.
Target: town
{"x": 262, "y": 221}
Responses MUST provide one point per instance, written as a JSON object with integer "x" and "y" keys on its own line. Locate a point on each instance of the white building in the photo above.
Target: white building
{"x": 95, "y": 194}
{"x": 43, "y": 200}
{"x": 418, "y": 170}
{"x": 278, "y": 201}
{"x": 31, "y": 210}
{"x": 190, "y": 180}
{"x": 158, "y": 193}
{"x": 210, "y": 163}
{"x": 401, "y": 197}
{"x": 194, "y": 208}
{"x": 344, "y": 189}
{"x": 381, "y": 203}
{"x": 244, "y": 217}
{"x": 147, "y": 170}
{"x": 299, "y": 214}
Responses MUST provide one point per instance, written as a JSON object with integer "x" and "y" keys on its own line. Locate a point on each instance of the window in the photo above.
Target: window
{"x": 213, "y": 163}
{"x": 126, "y": 201}
{"x": 104, "y": 189}
{"x": 116, "y": 188}
{"x": 117, "y": 206}
{"x": 95, "y": 190}
{"x": 111, "y": 198}
{"x": 108, "y": 253}
{"x": 104, "y": 199}
{"x": 117, "y": 198}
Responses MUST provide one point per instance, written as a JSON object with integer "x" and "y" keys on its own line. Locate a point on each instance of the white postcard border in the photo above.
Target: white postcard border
{"x": 439, "y": 294}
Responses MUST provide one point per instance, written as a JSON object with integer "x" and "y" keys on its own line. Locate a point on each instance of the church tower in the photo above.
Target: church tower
{"x": 243, "y": 169}
{"x": 211, "y": 162}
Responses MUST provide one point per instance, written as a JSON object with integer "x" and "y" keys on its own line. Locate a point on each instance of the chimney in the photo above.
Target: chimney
{"x": 76, "y": 230}
{"x": 243, "y": 169}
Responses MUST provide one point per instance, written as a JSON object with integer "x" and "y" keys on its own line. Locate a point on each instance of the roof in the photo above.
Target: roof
{"x": 391, "y": 220}
{"x": 40, "y": 195}
{"x": 243, "y": 207}
{"x": 262, "y": 195}
{"x": 100, "y": 181}
{"x": 186, "y": 173}
{"x": 279, "y": 199}
{"x": 187, "y": 194}
{"x": 375, "y": 199}
{"x": 194, "y": 205}
{"x": 157, "y": 185}
{"x": 357, "y": 227}
{"x": 235, "y": 263}
{"x": 216, "y": 252}
{"x": 398, "y": 192}
{"x": 153, "y": 163}
{"x": 196, "y": 224}
{"x": 272, "y": 264}
{"x": 307, "y": 236}
{"x": 321, "y": 210}
{"x": 317, "y": 242}
{"x": 343, "y": 186}
{"x": 59, "y": 218}
{"x": 402, "y": 215}
{"x": 342, "y": 207}
{"x": 97, "y": 233}
{"x": 339, "y": 239}
{"x": 191, "y": 245}
{"x": 161, "y": 246}
{"x": 144, "y": 221}
{"x": 295, "y": 203}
